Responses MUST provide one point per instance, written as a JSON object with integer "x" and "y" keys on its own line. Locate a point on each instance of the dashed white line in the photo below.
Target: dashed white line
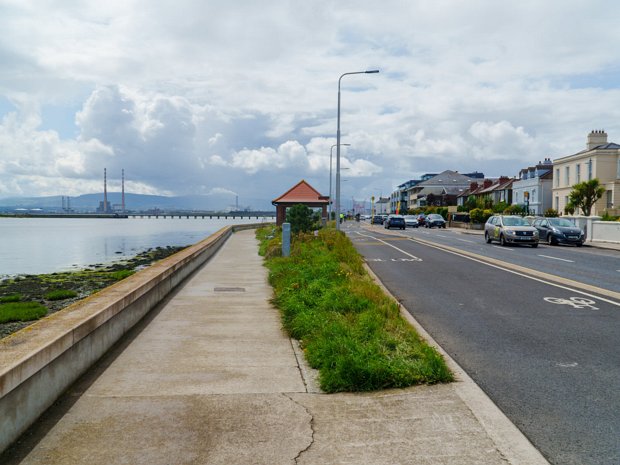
{"x": 439, "y": 235}
{"x": 556, "y": 258}
{"x": 503, "y": 248}
{"x": 465, "y": 240}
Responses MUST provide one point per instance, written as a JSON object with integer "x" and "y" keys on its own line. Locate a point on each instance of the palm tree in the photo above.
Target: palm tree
{"x": 585, "y": 194}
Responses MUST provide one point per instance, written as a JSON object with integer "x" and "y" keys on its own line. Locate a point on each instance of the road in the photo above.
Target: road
{"x": 546, "y": 354}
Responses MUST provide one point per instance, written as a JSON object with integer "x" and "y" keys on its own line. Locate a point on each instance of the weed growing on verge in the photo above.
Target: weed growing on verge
{"x": 349, "y": 329}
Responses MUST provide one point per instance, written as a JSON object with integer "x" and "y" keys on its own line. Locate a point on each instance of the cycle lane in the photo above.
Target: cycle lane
{"x": 550, "y": 365}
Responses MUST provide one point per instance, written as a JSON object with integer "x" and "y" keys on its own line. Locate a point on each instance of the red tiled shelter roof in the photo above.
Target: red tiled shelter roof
{"x": 302, "y": 192}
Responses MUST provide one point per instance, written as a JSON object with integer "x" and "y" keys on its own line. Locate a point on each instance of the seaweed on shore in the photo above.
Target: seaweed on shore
{"x": 34, "y": 288}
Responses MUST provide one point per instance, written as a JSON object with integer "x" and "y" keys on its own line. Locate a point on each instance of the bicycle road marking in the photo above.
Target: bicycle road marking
{"x": 575, "y": 302}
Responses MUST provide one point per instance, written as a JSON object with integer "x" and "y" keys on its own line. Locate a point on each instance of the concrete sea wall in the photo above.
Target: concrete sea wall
{"x": 38, "y": 363}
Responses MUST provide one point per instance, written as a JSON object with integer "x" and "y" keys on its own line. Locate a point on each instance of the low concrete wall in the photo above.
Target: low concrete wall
{"x": 606, "y": 231}
{"x": 38, "y": 363}
{"x": 597, "y": 230}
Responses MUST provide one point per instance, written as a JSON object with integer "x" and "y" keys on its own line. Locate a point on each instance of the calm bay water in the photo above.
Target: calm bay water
{"x": 47, "y": 245}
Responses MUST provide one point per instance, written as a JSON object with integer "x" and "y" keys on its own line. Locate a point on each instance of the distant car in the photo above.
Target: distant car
{"x": 559, "y": 231}
{"x": 433, "y": 220}
{"x": 507, "y": 229}
{"x": 421, "y": 219}
{"x": 394, "y": 221}
{"x": 377, "y": 219}
{"x": 411, "y": 221}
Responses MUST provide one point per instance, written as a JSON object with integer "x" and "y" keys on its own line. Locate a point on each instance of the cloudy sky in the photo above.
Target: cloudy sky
{"x": 240, "y": 97}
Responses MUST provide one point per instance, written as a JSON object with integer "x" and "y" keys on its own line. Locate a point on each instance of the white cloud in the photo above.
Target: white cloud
{"x": 186, "y": 95}
{"x": 500, "y": 141}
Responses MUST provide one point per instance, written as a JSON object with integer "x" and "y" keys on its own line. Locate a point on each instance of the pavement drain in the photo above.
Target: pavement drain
{"x": 229, "y": 289}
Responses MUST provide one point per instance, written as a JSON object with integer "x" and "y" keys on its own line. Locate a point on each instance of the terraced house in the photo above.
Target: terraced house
{"x": 600, "y": 159}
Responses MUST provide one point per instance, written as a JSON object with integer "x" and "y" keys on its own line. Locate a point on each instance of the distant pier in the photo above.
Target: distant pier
{"x": 171, "y": 215}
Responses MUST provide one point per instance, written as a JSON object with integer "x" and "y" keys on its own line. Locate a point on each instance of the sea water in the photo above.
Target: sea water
{"x": 47, "y": 245}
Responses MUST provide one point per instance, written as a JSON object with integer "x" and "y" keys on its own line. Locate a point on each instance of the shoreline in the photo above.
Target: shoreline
{"x": 85, "y": 282}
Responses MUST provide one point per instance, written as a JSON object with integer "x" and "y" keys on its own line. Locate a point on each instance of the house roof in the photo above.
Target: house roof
{"x": 302, "y": 192}
{"x": 608, "y": 146}
{"x": 500, "y": 184}
{"x": 447, "y": 178}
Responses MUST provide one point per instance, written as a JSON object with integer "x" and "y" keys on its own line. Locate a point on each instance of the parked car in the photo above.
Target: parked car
{"x": 395, "y": 221}
{"x": 411, "y": 221}
{"x": 435, "y": 219}
{"x": 507, "y": 229}
{"x": 377, "y": 219}
{"x": 559, "y": 231}
{"x": 421, "y": 219}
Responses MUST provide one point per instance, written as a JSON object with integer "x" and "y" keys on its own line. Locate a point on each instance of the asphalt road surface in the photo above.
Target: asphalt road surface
{"x": 546, "y": 354}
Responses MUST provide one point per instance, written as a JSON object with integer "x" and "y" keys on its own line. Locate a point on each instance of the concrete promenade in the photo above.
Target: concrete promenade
{"x": 211, "y": 378}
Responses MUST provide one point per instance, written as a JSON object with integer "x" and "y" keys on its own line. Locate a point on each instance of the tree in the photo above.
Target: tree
{"x": 300, "y": 217}
{"x": 585, "y": 194}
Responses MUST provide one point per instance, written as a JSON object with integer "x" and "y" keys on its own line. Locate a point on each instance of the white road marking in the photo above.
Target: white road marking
{"x": 503, "y": 248}
{"x": 575, "y": 302}
{"x": 439, "y": 235}
{"x": 556, "y": 258}
{"x": 560, "y": 286}
{"x": 471, "y": 242}
{"x": 393, "y": 246}
{"x": 567, "y": 365}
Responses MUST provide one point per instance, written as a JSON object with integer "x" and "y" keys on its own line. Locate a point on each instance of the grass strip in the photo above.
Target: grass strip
{"x": 10, "y": 298}
{"x": 349, "y": 329}
{"x": 60, "y": 294}
{"x": 21, "y": 311}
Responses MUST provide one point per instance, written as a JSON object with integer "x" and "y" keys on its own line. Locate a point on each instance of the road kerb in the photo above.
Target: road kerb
{"x": 510, "y": 441}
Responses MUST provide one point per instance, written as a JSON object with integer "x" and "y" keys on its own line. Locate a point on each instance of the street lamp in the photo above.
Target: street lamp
{"x": 338, "y": 146}
{"x": 331, "y": 152}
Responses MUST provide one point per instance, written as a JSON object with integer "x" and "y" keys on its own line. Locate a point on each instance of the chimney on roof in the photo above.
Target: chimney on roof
{"x": 503, "y": 179}
{"x": 487, "y": 183}
{"x": 596, "y": 138}
{"x": 473, "y": 186}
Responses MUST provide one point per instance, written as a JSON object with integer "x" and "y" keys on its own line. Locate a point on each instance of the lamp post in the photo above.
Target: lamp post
{"x": 338, "y": 146}
{"x": 331, "y": 152}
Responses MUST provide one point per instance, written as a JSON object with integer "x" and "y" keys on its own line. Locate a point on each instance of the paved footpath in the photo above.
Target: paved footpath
{"x": 212, "y": 379}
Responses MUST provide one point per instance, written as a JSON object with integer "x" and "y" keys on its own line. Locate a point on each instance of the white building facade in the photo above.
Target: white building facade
{"x": 600, "y": 160}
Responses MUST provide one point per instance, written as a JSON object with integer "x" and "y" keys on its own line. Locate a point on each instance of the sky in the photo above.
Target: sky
{"x": 239, "y": 97}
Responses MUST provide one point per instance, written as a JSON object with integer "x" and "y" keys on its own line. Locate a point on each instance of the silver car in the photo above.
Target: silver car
{"x": 510, "y": 230}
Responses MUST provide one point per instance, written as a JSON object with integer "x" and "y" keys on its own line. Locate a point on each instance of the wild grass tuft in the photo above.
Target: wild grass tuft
{"x": 60, "y": 294}
{"x": 21, "y": 311}
{"x": 349, "y": 329}
{"x": 10, "y": 298}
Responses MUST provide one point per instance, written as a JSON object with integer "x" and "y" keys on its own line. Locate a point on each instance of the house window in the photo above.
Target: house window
{"x": 590, "y": 170}
{"x": 578, "y": 173}
{"x": 567, "y": 175}
{"x": 557, "y": 177}
{"x": 557, "y": 204}
{"x": 610, "y": 203}
{"x": 618, "y": 170}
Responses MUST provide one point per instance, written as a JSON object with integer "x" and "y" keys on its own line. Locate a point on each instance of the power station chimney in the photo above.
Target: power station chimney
{"x": 123, "y": 190}
{"x": 105, "y": 191}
